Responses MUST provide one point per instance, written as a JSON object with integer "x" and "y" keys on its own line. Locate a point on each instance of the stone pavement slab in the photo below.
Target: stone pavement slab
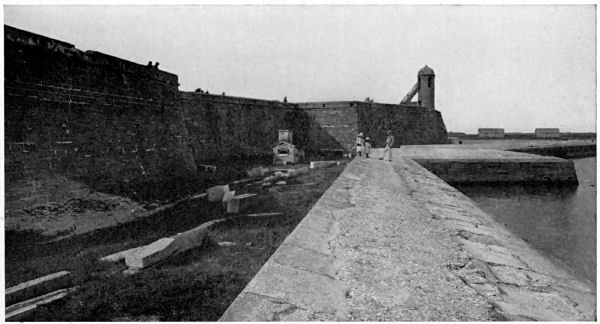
{"x": 372, "y": 248}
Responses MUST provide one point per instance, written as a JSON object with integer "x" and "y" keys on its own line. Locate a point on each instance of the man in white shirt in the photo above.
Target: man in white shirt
{"x": 359, "y": 144}
{"x": 388, "y": 146}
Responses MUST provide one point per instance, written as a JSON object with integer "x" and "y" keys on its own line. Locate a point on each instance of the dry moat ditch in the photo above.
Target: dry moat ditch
{"x": 195, "y": 285}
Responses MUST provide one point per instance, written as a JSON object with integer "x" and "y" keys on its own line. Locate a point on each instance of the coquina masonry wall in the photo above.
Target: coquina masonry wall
{"x": 106, "y": 122}
{"x": 222, "y": 126}
{"x": 409, "y": 124}
{"x": 86, "y": 116}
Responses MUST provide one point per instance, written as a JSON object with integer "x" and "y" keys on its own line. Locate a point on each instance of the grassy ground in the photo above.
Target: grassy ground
{"x": 198, "y": 285}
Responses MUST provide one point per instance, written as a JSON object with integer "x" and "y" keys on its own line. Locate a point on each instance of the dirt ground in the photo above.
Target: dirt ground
{"x": 75, "y": 216}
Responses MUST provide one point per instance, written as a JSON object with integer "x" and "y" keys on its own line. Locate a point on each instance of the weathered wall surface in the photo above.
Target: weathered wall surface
{"x": 221, "y": 126}
{"x": 87, "y": 116}
{"x": 409, "y": 124}
{"x": 502, "y": 171}
{"x": 338, "y": 119}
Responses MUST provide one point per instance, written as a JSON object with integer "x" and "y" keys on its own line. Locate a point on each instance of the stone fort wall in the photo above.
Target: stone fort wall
{"x": 107, "y": 122}
{"x": 409, "y": 124}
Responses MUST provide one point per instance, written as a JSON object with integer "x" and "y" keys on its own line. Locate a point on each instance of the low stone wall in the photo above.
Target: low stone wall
{"x": 565, "y": 152}
{"x": 502, "y": 170}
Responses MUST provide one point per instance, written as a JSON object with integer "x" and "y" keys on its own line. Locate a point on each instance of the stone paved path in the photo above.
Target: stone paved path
{"x": 390, "y": 241}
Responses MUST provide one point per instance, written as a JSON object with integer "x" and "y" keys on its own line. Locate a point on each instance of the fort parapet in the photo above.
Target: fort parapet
{"x": 106, "y": 121}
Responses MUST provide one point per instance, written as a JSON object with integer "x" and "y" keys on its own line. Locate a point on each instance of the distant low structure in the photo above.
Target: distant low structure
{"x": 286, "y": 153}
{"x": 547, "y": 133}
{"x": 456, "y": 134}
{"x": 491, "y": 132}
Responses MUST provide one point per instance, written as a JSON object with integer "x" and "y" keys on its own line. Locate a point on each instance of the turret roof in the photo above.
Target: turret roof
{"x": 426, "y": 70}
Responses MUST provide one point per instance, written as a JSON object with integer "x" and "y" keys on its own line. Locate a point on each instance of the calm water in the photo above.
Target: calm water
{"x": 558, "y": 221}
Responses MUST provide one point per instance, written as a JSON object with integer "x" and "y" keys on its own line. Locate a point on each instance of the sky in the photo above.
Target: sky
{"x": 512, "y": 67}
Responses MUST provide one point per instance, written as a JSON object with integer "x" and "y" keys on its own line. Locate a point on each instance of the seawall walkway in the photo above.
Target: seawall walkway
{"x": 391, "y": 241}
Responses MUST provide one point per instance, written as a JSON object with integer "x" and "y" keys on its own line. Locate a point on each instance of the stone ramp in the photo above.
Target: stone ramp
{"x": 391, "y": 241}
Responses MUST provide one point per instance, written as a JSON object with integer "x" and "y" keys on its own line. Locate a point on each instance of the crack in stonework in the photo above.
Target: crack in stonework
{"x": 276, "y": 316}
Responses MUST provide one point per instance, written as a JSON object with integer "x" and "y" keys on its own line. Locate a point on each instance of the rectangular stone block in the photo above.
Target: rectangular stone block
{"x": 216, "y": 193}
{"x": 240, "y": 203}
{"x": 265, "y": 214}
{"x": 227, "y": 196}
{"x": 28, "y": 305}
{"x": 150, "y": 254}
{"x": 200, "y": 196}
{"x": 303, "y": 170}
{"x": 321, "y": 164}
{"x": 118, "y": 256}
{"x": 257, "y": 172}
{"x": 35, "y": 282}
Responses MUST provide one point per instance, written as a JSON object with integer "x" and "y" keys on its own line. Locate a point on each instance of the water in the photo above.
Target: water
{"x": 558, "y": 221}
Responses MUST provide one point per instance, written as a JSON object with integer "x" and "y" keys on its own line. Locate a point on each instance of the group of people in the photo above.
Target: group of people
{"x": 363, "y": 145}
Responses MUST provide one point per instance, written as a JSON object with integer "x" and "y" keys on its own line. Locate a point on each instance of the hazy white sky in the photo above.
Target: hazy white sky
{"x": 514, "y": 67}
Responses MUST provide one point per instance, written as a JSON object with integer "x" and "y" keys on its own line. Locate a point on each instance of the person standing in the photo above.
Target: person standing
{"x": 367, "y": 147}
{"x": 388, "y": 146}
{"x": 359, "y": 143}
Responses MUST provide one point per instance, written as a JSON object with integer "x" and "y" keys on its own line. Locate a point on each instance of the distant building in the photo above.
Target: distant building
{"x": 491, "y": 132}
{"x": 547, "y": 132}
{"x": 456, "y": 134}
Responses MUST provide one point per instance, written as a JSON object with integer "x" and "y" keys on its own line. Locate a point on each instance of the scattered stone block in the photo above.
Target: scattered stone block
{"x": 266, "y": 184}
{"x": 239, "y": 183}
{"x": 257, "y": 172}
{"x": 131, "y": 271}
{"x": 241, "y": 203}
{"x": 322, "y": 164}
{"x": 280, "y": 183}
{"x": 216, "y": 193}
{"x": 269, "y": 179}
{"x": 265, "y": 214}
{"x": 35, "y": 282}
{"x": 148, "y": 254}
{"x": 165, "y": 247}
{"x": 227, "y": 197}
{"x": 116, "y": 257}
{"x": 28, "y": 305}
{"x": 303, "y": 170}
{"x": 292, "y": 173}
{"x": 200, "y": 196}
